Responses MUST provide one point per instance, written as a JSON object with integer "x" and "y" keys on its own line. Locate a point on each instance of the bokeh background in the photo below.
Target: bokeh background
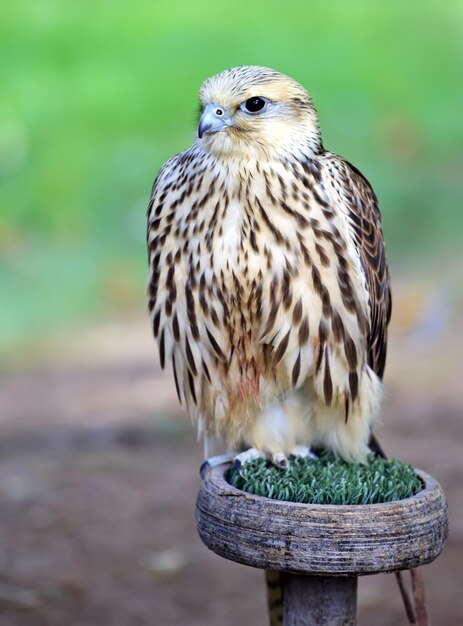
{"x": 98, "y": 464}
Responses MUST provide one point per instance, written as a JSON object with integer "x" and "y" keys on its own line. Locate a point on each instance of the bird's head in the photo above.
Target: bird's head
{"x": 250, "y": 111}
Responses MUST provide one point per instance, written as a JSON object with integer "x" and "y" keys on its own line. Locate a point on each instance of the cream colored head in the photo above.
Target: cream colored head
{"x": 250, "y": 110}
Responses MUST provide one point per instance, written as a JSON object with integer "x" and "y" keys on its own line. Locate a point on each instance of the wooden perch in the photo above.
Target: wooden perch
{"x": 321, "y": 549}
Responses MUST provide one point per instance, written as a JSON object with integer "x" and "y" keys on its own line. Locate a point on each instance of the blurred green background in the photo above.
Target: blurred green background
{"x": 96, "y": 95}
{"x": 98, "y": 465}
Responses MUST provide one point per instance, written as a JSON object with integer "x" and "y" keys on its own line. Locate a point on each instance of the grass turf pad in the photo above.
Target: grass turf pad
{"x": 329, "y": 480}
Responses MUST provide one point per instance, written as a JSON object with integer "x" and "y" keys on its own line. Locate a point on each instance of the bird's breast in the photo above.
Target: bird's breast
{"x": 253, "y": 279}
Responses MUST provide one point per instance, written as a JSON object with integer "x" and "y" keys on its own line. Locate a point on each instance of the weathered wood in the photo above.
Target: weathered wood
{"x": 320, "y": 600}
{"x": 327, "y": 540}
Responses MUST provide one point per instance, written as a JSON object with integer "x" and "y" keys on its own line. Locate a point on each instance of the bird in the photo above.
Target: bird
{"x": 269, "y": 289}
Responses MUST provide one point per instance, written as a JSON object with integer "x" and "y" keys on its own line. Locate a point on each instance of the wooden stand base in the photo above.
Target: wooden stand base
{"x": 320, "y": 600}
{"x": 321, "y": 549}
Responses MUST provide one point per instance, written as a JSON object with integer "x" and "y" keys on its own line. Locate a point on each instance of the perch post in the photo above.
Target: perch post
{"x": 320, "y": 549}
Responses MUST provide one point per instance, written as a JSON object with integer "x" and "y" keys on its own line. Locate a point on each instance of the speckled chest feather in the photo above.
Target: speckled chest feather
{"x": 255, "y": 286}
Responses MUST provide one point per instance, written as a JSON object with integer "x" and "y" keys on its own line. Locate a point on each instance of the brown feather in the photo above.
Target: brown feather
{"x": 366, "y": 223}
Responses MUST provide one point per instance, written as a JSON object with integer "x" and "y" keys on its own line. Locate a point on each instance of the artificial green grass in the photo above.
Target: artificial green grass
{"x": 329, "y": 480}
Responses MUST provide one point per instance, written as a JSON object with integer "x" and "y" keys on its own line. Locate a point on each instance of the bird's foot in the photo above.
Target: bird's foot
{"x": 239, "y": 460}
{"x": 303, "y": 452}
{"x": 246, "y": 457}
{"x": 279, "y": 459}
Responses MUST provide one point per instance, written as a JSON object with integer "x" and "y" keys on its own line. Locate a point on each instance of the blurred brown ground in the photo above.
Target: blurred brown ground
{"x": 99, "y": 474}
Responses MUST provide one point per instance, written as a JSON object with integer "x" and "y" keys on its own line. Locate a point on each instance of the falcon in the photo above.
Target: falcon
{"x": 268, "y": 283}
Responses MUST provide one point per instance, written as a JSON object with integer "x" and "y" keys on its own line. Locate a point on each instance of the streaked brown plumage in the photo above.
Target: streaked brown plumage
{"x": 268, "y": 287}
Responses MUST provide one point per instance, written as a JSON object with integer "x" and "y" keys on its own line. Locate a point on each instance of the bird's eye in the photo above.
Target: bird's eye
{"x": 254, "y": 105}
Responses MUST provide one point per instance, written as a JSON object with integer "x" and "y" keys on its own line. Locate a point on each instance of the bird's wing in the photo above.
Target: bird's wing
{"x": 162, "y": 184}
{"x": 366, "y": 226}
{"x": 157, "y": 230}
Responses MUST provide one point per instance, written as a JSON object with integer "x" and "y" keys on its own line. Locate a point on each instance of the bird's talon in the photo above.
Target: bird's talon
{"x": 243, "y": 458}
{"x": 239, "y": 467}
{"x": 280, "y": 460}
{"x": 303, "y": 452}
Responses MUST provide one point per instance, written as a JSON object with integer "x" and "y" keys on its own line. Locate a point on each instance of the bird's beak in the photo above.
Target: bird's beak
{"x": 213, "y": 119}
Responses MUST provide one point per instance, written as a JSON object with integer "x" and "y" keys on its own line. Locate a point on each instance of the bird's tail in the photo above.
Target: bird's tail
{"x": 274, "y": 582}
